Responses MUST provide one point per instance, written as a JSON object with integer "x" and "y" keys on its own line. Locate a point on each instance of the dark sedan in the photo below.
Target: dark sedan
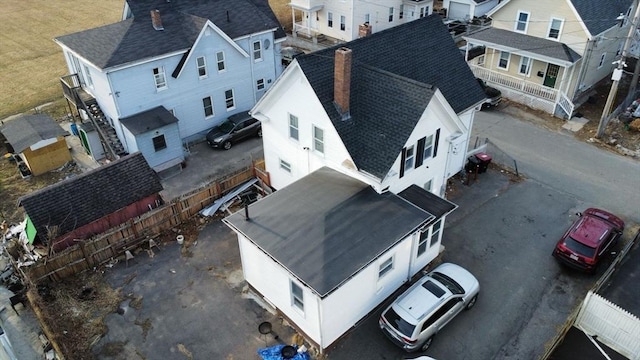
{"x": 235, "y": 128}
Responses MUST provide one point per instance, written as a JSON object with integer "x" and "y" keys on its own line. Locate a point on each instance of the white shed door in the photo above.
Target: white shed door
{"x": 458, "y": 10}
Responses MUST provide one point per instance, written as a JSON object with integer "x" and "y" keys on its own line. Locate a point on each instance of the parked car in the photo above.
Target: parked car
{"x": 494, "y": 96}
{"x": 289, "y": 53}
{"x": 588, "y": 240}
{"x": 417, "y": 315}
{"x": 235, "y": 128}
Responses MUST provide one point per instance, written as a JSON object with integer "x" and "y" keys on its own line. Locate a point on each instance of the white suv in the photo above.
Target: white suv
{"x": 415, "y": 317}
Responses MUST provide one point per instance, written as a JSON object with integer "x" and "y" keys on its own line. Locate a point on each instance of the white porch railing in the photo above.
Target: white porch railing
{"x": 526, "y": 87}
{"x": 302, "y": 28}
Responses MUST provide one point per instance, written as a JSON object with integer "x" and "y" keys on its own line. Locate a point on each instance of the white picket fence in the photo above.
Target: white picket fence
{"x": 614, "y": 326}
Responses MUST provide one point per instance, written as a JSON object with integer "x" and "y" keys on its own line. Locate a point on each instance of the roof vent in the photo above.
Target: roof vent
{"x": 156, "y": 21}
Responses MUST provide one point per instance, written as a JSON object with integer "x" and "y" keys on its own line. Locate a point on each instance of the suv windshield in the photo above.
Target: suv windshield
{"x": 398, "y": 323}
{"x": 443, "y": 279}
{"x": 579, "y": 248}
{"x": 226, "y": 126}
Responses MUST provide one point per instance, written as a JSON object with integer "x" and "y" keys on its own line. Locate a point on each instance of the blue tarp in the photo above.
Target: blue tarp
{"x": 275, "y": 353}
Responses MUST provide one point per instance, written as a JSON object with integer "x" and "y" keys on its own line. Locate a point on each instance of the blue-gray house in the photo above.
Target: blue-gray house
{"x": 168, "y": 72}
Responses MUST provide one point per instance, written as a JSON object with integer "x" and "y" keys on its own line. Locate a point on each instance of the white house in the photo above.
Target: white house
{"x": 467, "y": 9}
{"x": 350, "y": 19}
{"x": 171, "y": 70}
{"x": 548, "y": 54}
{"x": 359, "y": 140}
{"x": 327, "y": 249}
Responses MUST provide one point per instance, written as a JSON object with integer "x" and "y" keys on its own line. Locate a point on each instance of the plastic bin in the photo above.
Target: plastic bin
{"x": 483, "y": 162}
{"x": 473, "y": 164}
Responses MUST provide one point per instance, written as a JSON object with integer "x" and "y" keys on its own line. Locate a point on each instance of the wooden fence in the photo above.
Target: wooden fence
{"x": 113, "y": 243}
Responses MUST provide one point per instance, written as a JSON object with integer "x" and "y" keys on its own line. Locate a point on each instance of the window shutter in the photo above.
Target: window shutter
{"x": 420, "y": 152}
{"x": 402, "y": 159}
{"x": 435, "y": 143}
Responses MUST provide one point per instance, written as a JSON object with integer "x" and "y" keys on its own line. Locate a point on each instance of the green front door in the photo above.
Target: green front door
{"x": 551, "y": 75}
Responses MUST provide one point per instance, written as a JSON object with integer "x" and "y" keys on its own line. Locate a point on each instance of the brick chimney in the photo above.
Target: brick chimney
{"x": 364, "y": 30}
{"x": 342, "y": 80}
{"x": 156, "y": 21}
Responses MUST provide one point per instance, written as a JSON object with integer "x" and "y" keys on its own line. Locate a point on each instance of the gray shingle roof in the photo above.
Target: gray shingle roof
{"x": 600, "y": 15}
{"x": 90, "y": 196}
{"x": 135, "y": 39}
{"x": 532, "y": 44}
{"x": 148, "y": 120}
{"x": 27, "y": 130}
{"x": 427, "y": 201}
{"x": 304, "y": 227}
{"x": 393, "y": 77}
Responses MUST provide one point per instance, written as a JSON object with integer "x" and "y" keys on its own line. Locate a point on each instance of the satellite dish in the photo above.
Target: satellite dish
{"x": 266, "y": 44}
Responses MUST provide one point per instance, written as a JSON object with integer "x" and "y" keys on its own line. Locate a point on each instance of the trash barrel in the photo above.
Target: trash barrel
{"x": 483, "y": 162}
{"x": 74, "y": 129}
{"x": 473, "y": 164}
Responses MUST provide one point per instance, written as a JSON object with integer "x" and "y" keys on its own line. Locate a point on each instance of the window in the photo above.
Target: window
{"x": 390, "y": 14}
{"x": 554, "y": 28}
{"x": 220, "y": 60}
{"x": 159, "y": 143}
{"x": 428, "y": 185}
{"x": 385, "y": 267}
{"x": 480, "y": 60}
{"x": 293, "y": 127}
{"x": 285, "y": 166}
{"x": 602, "y": 59}
{"x": 202, "y": 67}
{"x": 297, "y": 296}
{"x": 522, "y": 21}
{"x": 525, "y": 66}
{"x": 401, "y": 14}
{"x": 422, "y": 243}
{"x": 343, "y": 22}
{"x": 503, "y": 61}
{"x": 409, "y": 158}
{"x": 435, "y": 233}
{"x": 318, "y": 139}
{"x": 422, "y": 14}
{"x": 428, "y": 148}
{"x": 367, "y": 18}
{"x": 228, "y": 99}
{"x": 208, "y": 106}
{"x": 257, "y": 51}
{"x": 158, "y": 75}
{"x": 88, "y": 75}
{"x": 330, "y": 19}
{"x": 260, "y": 84}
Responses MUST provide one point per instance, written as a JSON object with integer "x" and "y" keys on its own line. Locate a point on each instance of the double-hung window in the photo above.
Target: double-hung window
{"x": 385, "y": 267}
{"x": 220, "y": 61}
{"x": 525, "y": 66}
{"x": 554, "y": 28}
{"x": 201, "y": 64}
{"x": 503, "y": 61}
{"x": 330, "y": 19}
{"x": 318, "y": 139}
{"x": 207, "y": 103}
{"x": 423, "y": 241}
{"x": 428, "y": 148}
{"x": 409, "y": 158}
{"x": 435, "y": 233}
{"x": 257, "y": 51}
{"x": 228, "y": 99}
{"x": 343, "y": 22}
{"x": 522, "y": 22}
{"x": 88, "y": 76}
{"x": 160, "y": 79}
{"x": 297, "y": 296}
{"x": 293, "y": 127}
{"x": 390, "y": 14}
{"x": 401, "y": 13}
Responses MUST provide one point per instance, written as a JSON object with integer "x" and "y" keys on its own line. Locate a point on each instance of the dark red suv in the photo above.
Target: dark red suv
{"x": 589, "y": 239}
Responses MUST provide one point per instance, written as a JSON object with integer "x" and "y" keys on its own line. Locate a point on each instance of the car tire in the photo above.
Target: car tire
{"x": 259, "y": 133}
{"x": 471, "y": 302}
{"x": 426, "y": 344}
{"x": 226, "y": 145}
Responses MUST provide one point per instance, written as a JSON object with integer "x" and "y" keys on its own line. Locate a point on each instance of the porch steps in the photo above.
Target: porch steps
{"x": 108, "y": 134}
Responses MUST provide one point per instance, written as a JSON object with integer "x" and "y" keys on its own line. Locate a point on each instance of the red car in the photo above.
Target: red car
{"x": 588, "y": 239}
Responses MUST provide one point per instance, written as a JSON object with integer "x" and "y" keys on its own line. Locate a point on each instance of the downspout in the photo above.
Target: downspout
{"x": 318, "y": 303}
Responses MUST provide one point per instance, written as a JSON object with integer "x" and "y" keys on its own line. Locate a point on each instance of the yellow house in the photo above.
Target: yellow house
{"x": 38, "y": 141}
{"x": 548, "y": 54}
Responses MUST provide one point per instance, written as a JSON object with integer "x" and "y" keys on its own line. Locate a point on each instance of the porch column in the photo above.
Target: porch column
{"x": 293, "y": 21}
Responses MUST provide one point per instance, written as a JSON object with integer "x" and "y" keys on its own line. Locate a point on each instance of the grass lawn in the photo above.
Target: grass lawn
{"x": 31, "y": 63}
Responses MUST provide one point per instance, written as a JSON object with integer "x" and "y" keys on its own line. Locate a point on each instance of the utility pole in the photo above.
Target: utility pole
{"x": 617, "y": 73}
